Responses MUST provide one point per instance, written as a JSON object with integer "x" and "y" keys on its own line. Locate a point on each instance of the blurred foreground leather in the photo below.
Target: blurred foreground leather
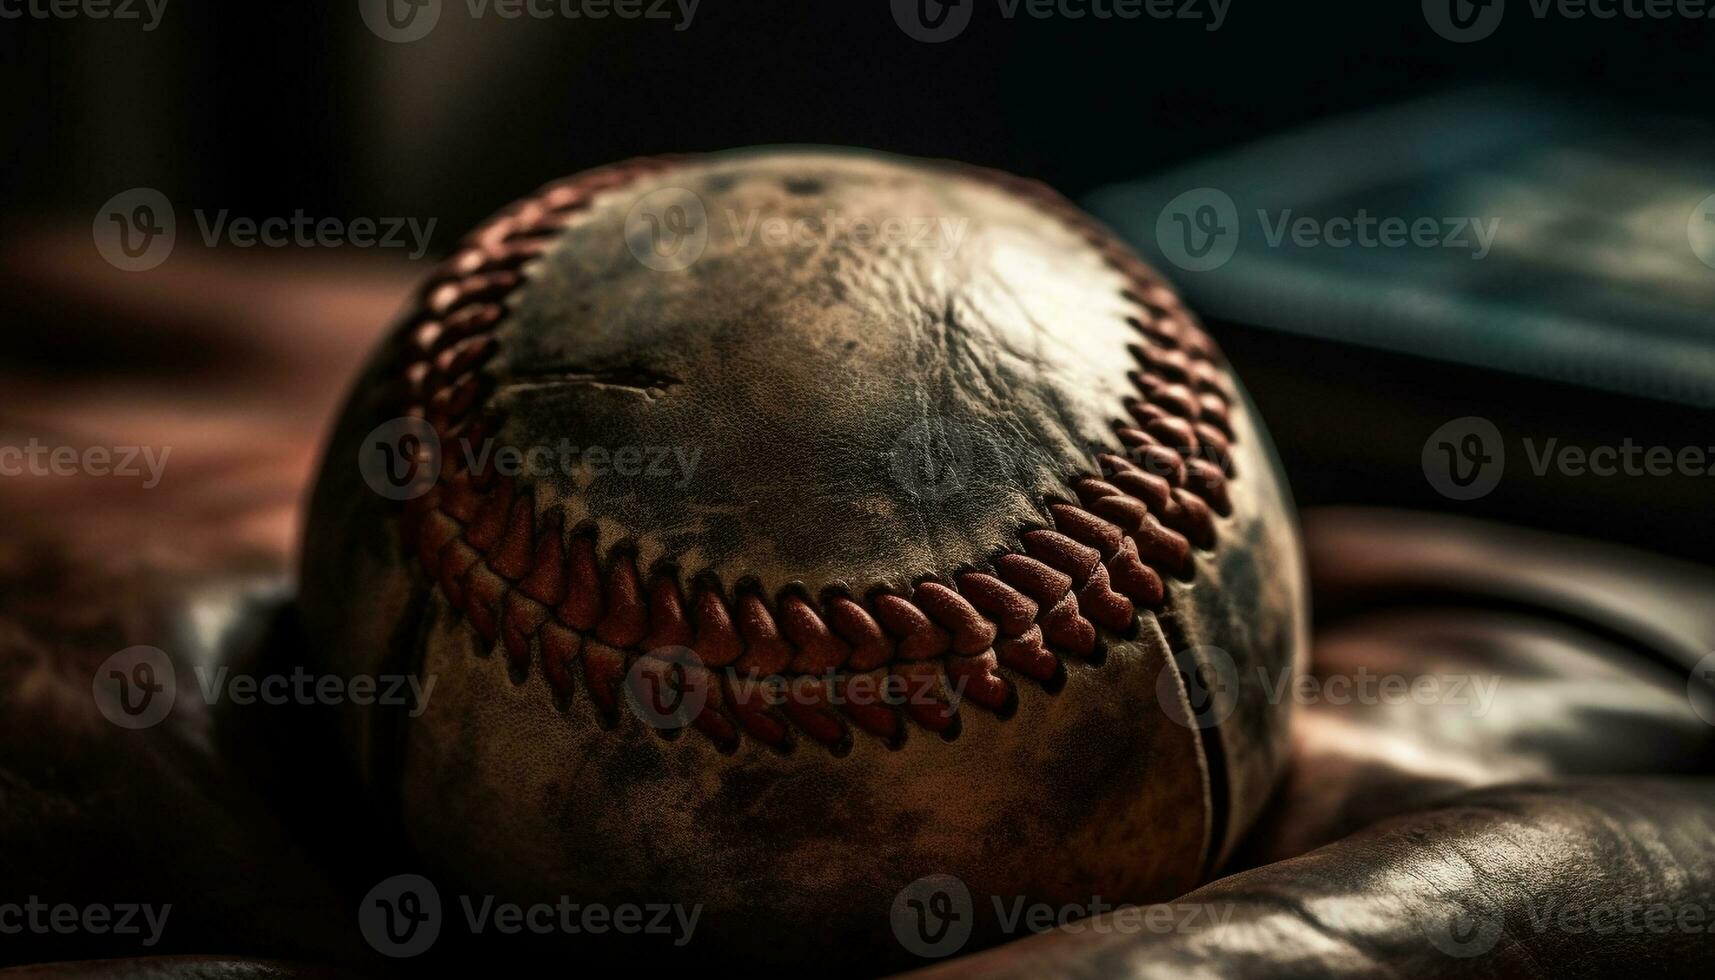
{"x": 228, "y": 365}
{"x": 1491, "y": 837}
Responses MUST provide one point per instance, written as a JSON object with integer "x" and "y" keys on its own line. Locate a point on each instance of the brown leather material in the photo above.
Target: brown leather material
{"x": 1523, "y": 698}
{"x": 97, "y": 815}
{"x": 807, "y": 379}
{"x": 1367, "y": 557}
{"x": 192, "y": 812}
{"x": 1602, "y": 877}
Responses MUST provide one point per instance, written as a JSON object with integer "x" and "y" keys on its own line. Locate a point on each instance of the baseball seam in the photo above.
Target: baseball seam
{"x": 547, "y": 596}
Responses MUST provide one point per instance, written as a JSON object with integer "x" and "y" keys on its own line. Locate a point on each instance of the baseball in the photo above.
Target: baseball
{"x": 779, "y": 529}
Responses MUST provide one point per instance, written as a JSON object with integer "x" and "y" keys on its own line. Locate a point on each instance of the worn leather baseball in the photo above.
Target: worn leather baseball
{"x": 913, "y": 482}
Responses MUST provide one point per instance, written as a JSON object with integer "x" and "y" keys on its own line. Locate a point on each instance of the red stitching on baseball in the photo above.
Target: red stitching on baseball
{"x": 520, "y": 580}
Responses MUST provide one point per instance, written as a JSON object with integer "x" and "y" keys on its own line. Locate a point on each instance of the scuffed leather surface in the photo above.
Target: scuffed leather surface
{"x": 798, "y": 374}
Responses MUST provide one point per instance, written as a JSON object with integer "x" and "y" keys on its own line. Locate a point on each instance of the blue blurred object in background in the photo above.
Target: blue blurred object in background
{"x": 1489, "y": 227}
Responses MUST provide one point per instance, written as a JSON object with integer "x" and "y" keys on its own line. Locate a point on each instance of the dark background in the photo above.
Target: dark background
{"x": 264, "y": 108}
